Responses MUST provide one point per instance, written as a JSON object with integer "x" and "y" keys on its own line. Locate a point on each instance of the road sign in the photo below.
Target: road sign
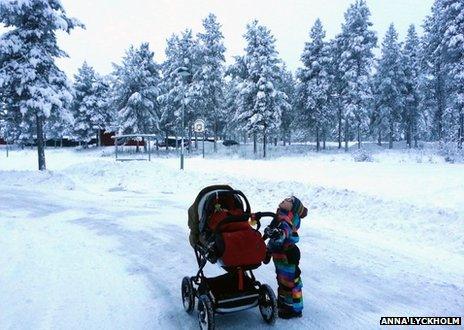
{"x": 199, "y": 126}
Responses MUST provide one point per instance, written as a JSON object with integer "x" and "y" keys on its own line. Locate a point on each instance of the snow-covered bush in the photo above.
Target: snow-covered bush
{"x": 362, "y": 155}
{"x": 451, "y": 153}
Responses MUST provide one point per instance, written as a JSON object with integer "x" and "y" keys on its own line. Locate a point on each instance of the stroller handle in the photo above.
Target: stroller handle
{"x": 258, "y": 215}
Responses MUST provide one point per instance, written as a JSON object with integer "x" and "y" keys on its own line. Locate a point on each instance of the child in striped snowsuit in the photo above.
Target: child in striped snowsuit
{"x": 286, "y": 255}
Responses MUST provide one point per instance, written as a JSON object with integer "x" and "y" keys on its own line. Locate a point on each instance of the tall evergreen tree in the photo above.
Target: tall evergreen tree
{"x": 357, "y": 41}
{"x": 83, "y": 105}
{"x": 236, "y": 74}
{"x": 32, "y": 86}
{"x": 103, "y": 115}
{"x": 91, "y": 106}
{"x": 390, "y": 86}
{"x": 411, "y": 68}
{"x": 314, "y": 90}
{"x": 337, "y": 85}
{"x": 168, "y": 99}
{"x": 135, "y": 91}
{"x": 261, "y": 102}
{"x": 180, "y": 84}
{"x": 289, "y": 113}
{"x": 453, "y": 44}
{"x": 59, "y": 124}
{"x": 189, "y": 86}
{"x": 433, "y": 95}
{"x": 211, "y": 73}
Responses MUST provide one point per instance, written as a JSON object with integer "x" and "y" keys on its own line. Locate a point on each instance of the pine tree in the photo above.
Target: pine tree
{"x": 433, "y": 86}
{"x": 411, "y": 69}
{"x": 337, "y": 85}
{"x": 236, "y": 74}
{"x": 357, "y": 41}
{"x": 169, "y": 121}
{"x": 261, "y": 102}
{"x": 453, "y": 44}
{"x": 289, "y": 114}
{"x": 59, "y": 124}
{"x": 83, "y": 105}
{"x": 390, "y": 86}
{"x": 211, "y": 73}
{"x": 188, "y": 85}
{"x": 231, "y": 94}
{"x": 135, "y": 91}
{"x": 32, "y": 86}
{"x": 91, "y": 104}
{"x": 103, "y": 115}
{"x": 180, "y": 84}
{"x": 314, "y": 83}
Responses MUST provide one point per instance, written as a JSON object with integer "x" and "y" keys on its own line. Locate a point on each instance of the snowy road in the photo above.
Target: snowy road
{"x": 103, "y": 245}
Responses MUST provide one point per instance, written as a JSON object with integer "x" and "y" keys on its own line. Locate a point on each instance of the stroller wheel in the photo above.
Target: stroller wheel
{"x": 188, "y": 295}
{"x": 205, "y": 313}
{"x": 267, "y": 304}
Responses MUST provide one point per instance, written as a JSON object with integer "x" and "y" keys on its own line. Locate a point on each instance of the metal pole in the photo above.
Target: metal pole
{"x": 116, "y": 147}
{"x": 182, "y": 141}
{"x": 204, "y": 138}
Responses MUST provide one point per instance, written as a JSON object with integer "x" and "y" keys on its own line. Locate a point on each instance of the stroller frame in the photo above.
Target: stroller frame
{"x": 216, "y": 295}
{"x": 247, "y": 300}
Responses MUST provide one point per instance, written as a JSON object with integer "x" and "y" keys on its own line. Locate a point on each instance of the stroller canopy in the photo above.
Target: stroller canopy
{"x": 204, "y": 205}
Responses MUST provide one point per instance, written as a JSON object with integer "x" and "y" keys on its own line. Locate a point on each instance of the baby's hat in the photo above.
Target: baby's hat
{"x": 298, "y": 208}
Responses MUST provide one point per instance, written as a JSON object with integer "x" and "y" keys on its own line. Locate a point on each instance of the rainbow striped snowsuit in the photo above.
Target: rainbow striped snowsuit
{"x": 286, "y": 256}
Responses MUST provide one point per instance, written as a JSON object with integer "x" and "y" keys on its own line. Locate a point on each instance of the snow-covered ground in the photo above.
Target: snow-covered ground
{"x": 99, "y": 244}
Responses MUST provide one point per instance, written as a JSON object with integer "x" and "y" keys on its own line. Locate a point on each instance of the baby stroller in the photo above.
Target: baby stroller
{"x": 220, "y": 233}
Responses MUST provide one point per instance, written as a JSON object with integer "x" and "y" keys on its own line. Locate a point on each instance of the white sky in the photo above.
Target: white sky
{"x": 112, "y": 25}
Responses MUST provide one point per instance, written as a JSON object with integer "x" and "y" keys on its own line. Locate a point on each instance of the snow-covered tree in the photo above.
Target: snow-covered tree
{"x": 289, "y": 113}
{"x": 187, "y": 75}
{"x": 390, "y": 87}
{"x": 411, "y": 69}
{"x": 314, "y": 88}
{"x": 433, "y": 86}
{"x": 337, "y": 85}
{"x": 453, "y": 44}
{"x": 168, "y": 99}
{"x": 59, "y": 124}
{"x": 135, "y": 91}
{"x": 91, "y": 104}
{"x": 211, "y": 74}
{"x": 31, "y": 85}
{"x": 261, "y": 103}
{"x": 103, "y": 115}
{"x": 235, "y": 74}
{"x": 180, "y": 82}
{"x": 11, "y": 126}
{"x": 83, "y": 107}
{"x": 356, "y": 43}
{"x": 3, "y": 126}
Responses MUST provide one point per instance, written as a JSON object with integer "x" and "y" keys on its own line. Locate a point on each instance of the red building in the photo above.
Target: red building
{"x": 106, "y": 139}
